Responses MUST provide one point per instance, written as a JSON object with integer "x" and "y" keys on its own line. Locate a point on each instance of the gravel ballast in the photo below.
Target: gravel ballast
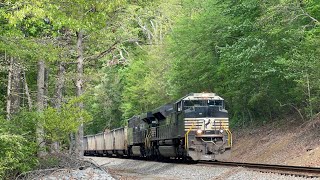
{"x": 88, "y": 173}
{"x": 140, "y": 169}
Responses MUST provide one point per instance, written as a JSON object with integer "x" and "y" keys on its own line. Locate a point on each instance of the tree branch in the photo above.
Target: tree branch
{"x": 291, "y": 105}
{"x": 306, "y": 13}
{"x": 103, "y": 53}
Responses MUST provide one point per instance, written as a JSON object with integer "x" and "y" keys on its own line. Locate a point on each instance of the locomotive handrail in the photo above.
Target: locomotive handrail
{"x": 147, "y": 139}
{"x": 186, "y": 140}
{"x": 229, "y": 136}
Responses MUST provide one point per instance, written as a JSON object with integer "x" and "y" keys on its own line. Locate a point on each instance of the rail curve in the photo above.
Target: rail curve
{"x": 310, "y": 172}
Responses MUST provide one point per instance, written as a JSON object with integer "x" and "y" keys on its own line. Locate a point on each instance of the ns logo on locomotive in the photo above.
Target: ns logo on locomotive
{"x": 195, "y": 127}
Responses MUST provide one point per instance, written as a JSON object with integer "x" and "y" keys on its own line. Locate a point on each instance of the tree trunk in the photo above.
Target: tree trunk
{"x": 72, "y": 143}
{"x": 9, "y": 89}
{"x": 26, "y": 88}
{"x": 46, "y": 87}
{"x": 59, "y": 86}
{"x": 79, "y": 91}
{"x": 13, "y": 88}
{"x": 309, "y": 97}
{"x": 58, "y": 98}
{"x": 40, "y": 107}
{"x": 16, "y": 89}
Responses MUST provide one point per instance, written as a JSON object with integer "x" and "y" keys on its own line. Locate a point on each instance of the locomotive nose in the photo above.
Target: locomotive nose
{"x": 212, "y": 147}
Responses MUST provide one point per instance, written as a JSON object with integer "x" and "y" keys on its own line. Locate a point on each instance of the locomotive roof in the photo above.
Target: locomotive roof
{"x": 200, "y": 96}
{"x": 163, "y": 108}
{"x": 162, "y": 111}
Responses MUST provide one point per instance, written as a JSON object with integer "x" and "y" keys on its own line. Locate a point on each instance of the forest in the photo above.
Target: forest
{"x": 76, "y": 67}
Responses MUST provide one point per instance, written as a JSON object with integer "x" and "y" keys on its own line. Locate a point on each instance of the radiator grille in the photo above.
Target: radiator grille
{"x": 206, "y": 124}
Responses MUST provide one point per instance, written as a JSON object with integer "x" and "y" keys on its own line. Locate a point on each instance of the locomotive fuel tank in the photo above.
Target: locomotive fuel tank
{"x": 135, "y": 151}
{"x": 167, "y": 151}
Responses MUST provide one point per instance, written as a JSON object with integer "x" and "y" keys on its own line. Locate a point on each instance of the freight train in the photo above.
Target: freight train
{"x": 195, "y": 127}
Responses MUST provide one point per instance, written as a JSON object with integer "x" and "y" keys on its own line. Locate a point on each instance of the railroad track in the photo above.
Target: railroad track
{"x": 310, "y": 172}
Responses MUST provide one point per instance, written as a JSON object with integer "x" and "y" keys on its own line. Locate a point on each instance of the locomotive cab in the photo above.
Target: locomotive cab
{"x": 206, "y": 126}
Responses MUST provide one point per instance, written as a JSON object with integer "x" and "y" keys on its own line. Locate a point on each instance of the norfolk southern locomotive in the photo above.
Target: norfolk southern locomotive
{"x": 195, "y": 127}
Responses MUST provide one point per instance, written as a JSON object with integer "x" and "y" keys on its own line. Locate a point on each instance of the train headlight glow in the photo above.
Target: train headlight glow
{"x": 199, "y": 131}
{"x": 221, "y": 131}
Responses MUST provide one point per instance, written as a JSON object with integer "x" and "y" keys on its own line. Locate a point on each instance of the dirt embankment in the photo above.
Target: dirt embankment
{"x": 281, "y": 142}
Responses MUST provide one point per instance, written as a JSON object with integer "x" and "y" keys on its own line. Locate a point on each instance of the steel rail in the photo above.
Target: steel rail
{"x": 297, "y": 169}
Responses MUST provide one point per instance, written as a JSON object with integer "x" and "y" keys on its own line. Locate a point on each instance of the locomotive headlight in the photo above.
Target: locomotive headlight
{"x": 199, "y": 131}
{"x": 221, "y": 131}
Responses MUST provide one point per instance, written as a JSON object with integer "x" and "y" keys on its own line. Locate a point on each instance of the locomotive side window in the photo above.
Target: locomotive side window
{"x": 188, "y": 103}
{"x": 215, "y": 102}
{"x": 195, "y": 103}
{"x": 179, "y": 104}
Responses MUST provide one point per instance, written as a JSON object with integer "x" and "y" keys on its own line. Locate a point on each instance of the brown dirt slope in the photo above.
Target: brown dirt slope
{"x": 281, "y": 142}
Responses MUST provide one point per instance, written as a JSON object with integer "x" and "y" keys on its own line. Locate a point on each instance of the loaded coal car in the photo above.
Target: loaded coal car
{"x": 107, "y": 143}
{"x": 120, "y": 141}
{"x": 194, "y": 127}
{"x": 100, "y": 144}
{"x": 89, "y": 145}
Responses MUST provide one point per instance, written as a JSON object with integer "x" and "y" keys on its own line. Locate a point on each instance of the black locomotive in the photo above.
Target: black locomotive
{"x": 194, "y": 127}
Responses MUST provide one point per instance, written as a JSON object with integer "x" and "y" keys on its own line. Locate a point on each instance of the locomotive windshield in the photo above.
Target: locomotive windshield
{"x": 204, "y": 108}
{"x": 191, "y": 103}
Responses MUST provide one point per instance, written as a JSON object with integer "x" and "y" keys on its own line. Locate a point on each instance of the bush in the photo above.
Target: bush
{"x": 17, "y": 145}
{"x": 17, "y": 155}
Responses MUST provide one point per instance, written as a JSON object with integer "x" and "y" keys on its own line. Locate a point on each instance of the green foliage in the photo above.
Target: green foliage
{"x": 259, "y": 56}
{"x": 194, "y": 49}
{"x": 14, "y": 151}
{"x": 105, "y": 100}
{"x": 17, "y": 147}
{"x": 58, "y": 124}
{"x": 24, "y": 32}
{"x": 145, "y": 83}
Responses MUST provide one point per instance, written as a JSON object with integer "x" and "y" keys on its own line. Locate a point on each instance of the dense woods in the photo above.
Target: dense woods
{"x": 75, "y": 67}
